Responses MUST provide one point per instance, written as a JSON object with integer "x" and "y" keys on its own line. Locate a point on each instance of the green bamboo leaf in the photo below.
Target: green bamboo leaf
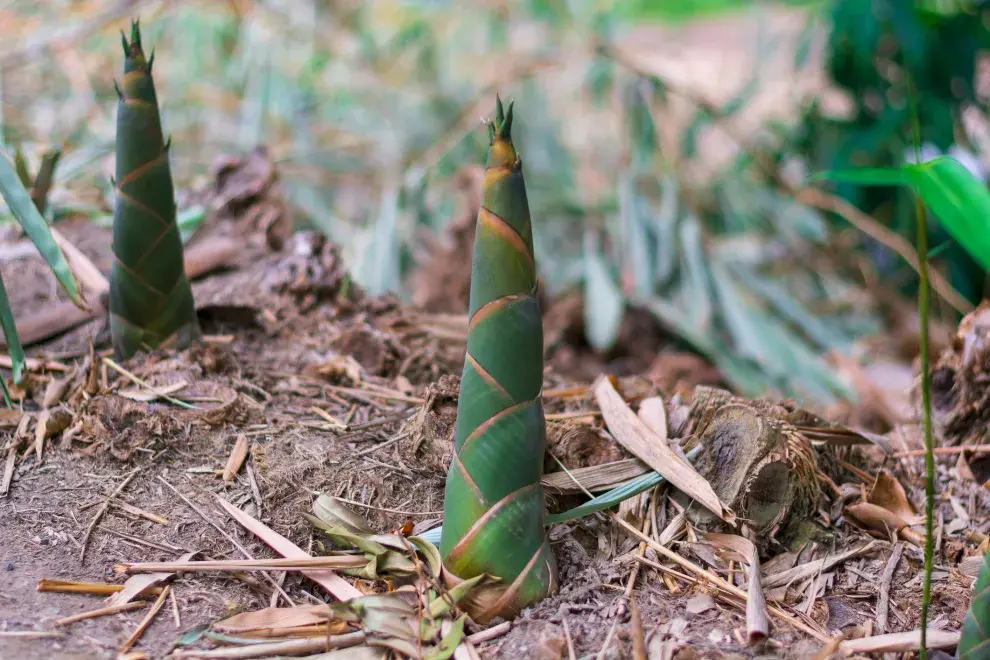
{"x": 974, "y": 644}
{"x": 448, "y": 645}
{"x": 959, "y": 200}
{"x": 22, "y": 206}
{"x": 13, "y": 341}
{"x": 603, "y": 301}
{"x": 615, "y": 496}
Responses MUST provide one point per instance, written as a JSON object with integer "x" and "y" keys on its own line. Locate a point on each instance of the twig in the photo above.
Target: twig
{"x": 716, "y": 580}
{"x": 225, "y": 534}
{"x": 888, "y": 575}
{"x": 386, "y": 509}
{"x": 889, "y": 238}
{"x": 175, "y": 609}
{"x": 103, "y": 611}
{"x": 138, "y": 381}
{"x": 962, "y": 449}
{"x": 102, "y": 512}
{"x": 490, "y": 633}
{"x": 571, "y": 655}
{"x": 268, "y": 649}
{"x": 146, "y": 621}
{"x": 279, "y": 564}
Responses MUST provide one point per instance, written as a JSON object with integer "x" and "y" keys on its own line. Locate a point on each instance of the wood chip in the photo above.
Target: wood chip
{"x": 630, "y": 432}
{"x": 146, "y": 621}
{"x": 236, "y": 458}
{"x": 103, "y": 611}
{"x": 888, "y": 575}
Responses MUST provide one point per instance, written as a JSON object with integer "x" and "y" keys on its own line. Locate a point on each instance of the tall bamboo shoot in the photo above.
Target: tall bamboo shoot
{"x": 494, "y": 503}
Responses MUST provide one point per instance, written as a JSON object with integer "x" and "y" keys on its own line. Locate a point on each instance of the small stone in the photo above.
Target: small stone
{"x": 700, "y": 603}
{"x": 716, "y": 636}
{"x": 8, "y": 566}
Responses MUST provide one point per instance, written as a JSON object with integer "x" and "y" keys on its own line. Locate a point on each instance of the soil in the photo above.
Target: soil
{"x": 305, "y": 337}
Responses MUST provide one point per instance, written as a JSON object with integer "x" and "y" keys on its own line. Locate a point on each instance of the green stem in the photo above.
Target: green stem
{"x": 926, "y": 394}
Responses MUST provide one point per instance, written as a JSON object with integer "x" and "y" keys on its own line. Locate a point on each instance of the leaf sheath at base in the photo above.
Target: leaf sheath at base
{"x": 494, "y": 502}
{"x": 151, "y": 302}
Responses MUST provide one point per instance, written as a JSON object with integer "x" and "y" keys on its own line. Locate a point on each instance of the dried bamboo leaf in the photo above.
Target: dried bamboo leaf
{"x": 274, "y": 618}
{"x": 595, "y": 477}
{"x": 888, "y": 493}
{"x": 340, "y": 588}
{"x": 633, "y": 434}
{"x": 815, "y": 567}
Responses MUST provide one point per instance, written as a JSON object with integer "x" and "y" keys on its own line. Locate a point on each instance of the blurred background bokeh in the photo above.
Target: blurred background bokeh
{"x": 666, "y": 147}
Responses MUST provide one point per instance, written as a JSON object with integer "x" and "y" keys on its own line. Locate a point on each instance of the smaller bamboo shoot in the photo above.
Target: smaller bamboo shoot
{"x": 151, "y": 302}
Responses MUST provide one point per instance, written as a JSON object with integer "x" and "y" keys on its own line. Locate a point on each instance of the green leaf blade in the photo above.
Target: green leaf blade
{"x": 959, "y": 200}
{"x": 22, "y": 206}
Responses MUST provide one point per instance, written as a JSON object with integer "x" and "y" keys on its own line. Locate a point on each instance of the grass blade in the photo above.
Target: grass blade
{"x": 27, "y": 214}
{"x": 13, "y": 342}
{"x": 615, "y": 496}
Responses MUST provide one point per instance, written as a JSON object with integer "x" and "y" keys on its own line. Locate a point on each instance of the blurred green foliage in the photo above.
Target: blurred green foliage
{"x": 877, "y": 48}
{"x": 370, "y": 110}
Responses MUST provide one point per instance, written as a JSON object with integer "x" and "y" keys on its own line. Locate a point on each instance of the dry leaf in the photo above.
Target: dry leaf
{"x": 146, "y": 396}
{"x": 883, "y": 521}
{"x": 811, "y": 568}
{"x": 888, "y": 493}
{"x": 700, "y": 603}
{"x": 654, "y": 415}
{"x": 275, "y": 618}
{"x": 139, "y": 584}
{"x": 340, "y": 588}
{"x": 634, "y": 435}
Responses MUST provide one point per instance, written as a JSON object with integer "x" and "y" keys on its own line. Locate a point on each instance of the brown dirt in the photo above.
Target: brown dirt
{"x": 304, "y": 336}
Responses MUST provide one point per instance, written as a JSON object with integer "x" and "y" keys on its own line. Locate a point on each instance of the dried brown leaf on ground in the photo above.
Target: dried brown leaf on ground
{"x": 143, "y": 584}
{"x": 336, "y": 585}
{"x": 884, "y": 523}
{"x": 887, "y": 492}
{"x": 275, "y": 618}
{"x": 633, "y": 434}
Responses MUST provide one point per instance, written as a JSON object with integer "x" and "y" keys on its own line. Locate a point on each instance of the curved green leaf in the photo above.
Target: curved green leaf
{"x": 959, "y": 200}
{"x": 866, "y": 176}
{"x": 13, "y": 341}
{"x": 975, "y": 641}
{"x": 22, "y": 206}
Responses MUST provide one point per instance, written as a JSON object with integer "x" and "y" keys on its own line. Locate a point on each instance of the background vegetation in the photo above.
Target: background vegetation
{"x": 665, "y": 162}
